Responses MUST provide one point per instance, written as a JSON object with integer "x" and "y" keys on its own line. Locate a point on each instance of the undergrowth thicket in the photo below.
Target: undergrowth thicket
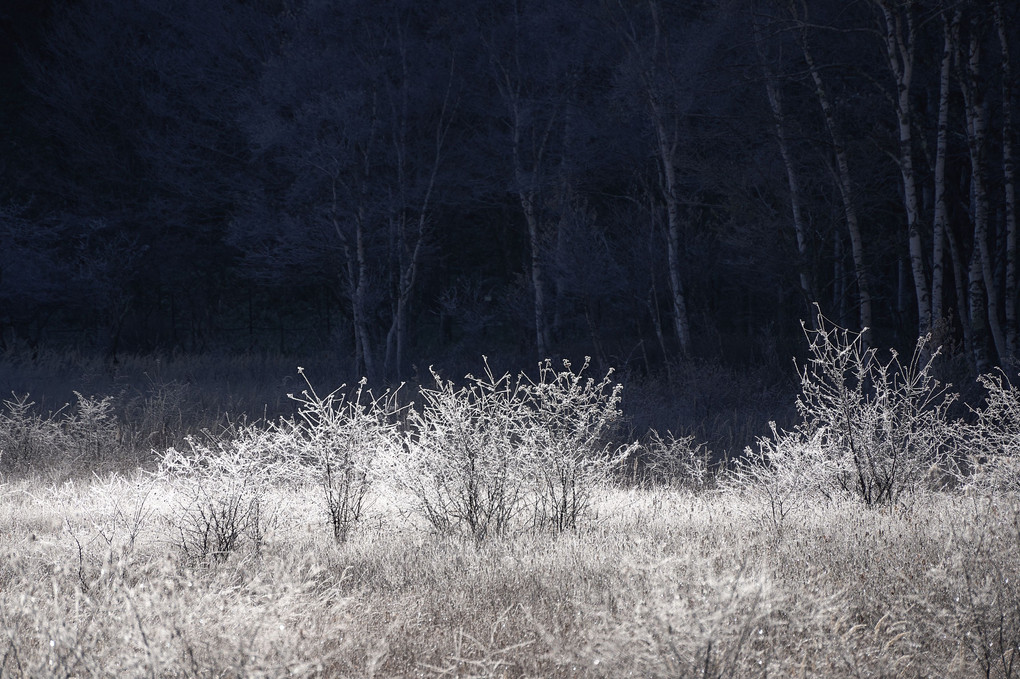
{"x": 506, "y": 526}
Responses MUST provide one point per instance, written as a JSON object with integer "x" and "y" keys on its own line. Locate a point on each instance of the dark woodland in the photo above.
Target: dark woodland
{"x": 669, "y": 187}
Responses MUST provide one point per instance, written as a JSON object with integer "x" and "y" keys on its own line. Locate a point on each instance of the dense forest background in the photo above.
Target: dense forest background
{"x": 656, "y": 184}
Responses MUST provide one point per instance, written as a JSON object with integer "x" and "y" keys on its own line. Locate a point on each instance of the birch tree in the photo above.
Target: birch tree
{"x": 417, "y": 171}
{"x": 355, "y": 128}
{"x": 983, "y": 291}
{"x": 943, "y": 235}
{"x": 1009, "y": 180}
{"x": 530, "y": 133}
{"x": 774, "y": 93}
{"x": 842, "y": 169}
{"x": 535, "y": 55}
{"x": 941, "y": 211}
{"x": 899, "y": 35}
{"x": 648, "y": 46}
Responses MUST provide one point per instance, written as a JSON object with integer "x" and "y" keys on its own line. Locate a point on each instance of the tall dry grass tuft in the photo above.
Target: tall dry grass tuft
{"x": 83, "y": 435}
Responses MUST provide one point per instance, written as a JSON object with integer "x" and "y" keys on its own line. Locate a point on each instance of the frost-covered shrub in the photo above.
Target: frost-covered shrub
{"x": 469, "y": 466}
{"x": 672, "y": 461}
{"x": 91, "y": 430}
{"x": 500, "y": 453}
{"x": 84, "y": 434}
{"x": 25, "y": 435}
{"x": 994, "y": 438}
{"x": 568, "y": 420}
{"x": 346, "y": 441}
{"x": 221, "y": 484}
{"x": 870, "y": 429}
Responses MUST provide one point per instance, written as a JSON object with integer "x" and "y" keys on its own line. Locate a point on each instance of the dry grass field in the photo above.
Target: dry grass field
{"x": 659, "y": 583}
{"x": 502, "y": 527}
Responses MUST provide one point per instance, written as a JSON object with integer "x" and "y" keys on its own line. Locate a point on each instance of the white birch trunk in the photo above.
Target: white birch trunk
{"x": 941, "y": 214}
{"x": 978, "y": 311}
{"x": 527, "y": 199}
{"x": 356, "y": 281}
{"x": 976, "y": 133}
{"x": 666, "y": 146}
{"x": 360, "y": 303}
{"x": 1009, "y": 185}
{"x": 960, "y": 278}
{"x": 526, "y": 178}
{"x": 408, "y": 235}
{"x": 845, "y": 186}
{"x": 793, "y": 183}
{"x": 527, "y": 192}
{"x": 899, "y": 44}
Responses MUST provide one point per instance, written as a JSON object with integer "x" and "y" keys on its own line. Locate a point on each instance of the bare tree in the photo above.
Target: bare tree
{"x": 534, "y": 107}
{"x": 941, "y": 212}
{"x": 984, "y": 293}
{"x": 775, "y": 97}
{"x": 356, "y": 130}
{"x": 410, "y": 215}
{"x": 649, "y": 50}
{"x": 899, "y": 35}
{"x": 1009, "y": 181}
{"x": 538, "y": 53}
{"x": 843, "y": 179}
{"x": 530, "y": 150}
